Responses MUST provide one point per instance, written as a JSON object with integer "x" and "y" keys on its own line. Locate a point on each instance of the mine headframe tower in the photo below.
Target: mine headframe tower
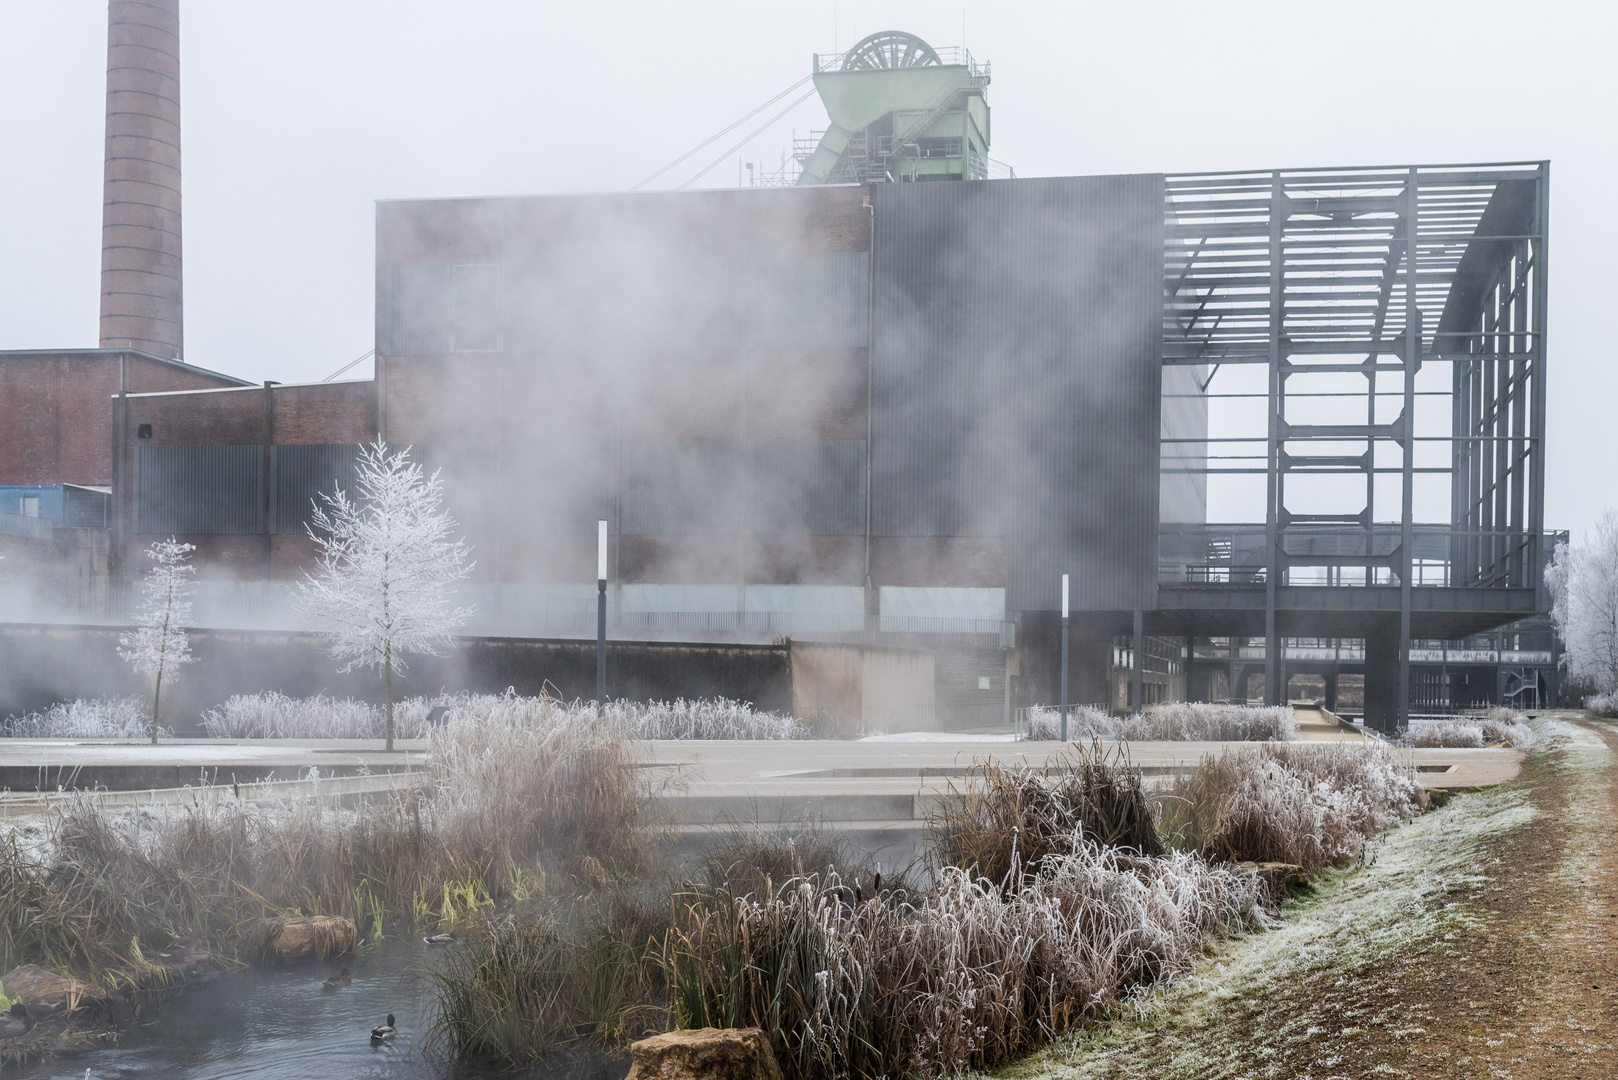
{"x": 900, "y": 110}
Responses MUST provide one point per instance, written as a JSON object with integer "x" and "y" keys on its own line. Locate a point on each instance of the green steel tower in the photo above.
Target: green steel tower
{"x": 900, "y": 110}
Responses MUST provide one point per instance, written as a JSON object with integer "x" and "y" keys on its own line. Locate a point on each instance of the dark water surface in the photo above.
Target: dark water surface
{"x": 284, "y": 1025}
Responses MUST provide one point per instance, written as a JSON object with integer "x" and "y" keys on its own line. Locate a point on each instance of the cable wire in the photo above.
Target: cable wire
{"x": 749, "y": 138}
{"x": 721, "y": 134}
{"x": 346, "y": 366}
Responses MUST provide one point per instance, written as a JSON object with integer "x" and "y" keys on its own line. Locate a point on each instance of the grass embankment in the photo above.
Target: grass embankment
{"x": 512, "y": 805}
{"x": 1052, "y": 898}
{"x": 1381, "y": 968}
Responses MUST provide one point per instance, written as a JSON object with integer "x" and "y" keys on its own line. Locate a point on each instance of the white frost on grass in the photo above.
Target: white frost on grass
{"x": 1419, "y": 879}
{"x": 276, "y": 716}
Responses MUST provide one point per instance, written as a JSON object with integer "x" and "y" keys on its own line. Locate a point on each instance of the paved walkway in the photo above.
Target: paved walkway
{"x": 874, "y": 781}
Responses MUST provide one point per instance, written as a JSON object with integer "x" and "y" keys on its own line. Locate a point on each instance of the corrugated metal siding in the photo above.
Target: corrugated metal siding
{"x": 301, "y": 474}
{"x": 199, "y": 489}
{"x": 1017, "y": 377}
{"x": 801, "y": 301}
{"x": 816, "y": 488}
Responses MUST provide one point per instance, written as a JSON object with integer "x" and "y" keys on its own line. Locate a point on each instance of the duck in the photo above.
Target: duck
{"x": 384, "y": 1032}
{"x": 340, "y": 980}
{"x": 440, "y": 939}
{"x": 16, "y": 1022}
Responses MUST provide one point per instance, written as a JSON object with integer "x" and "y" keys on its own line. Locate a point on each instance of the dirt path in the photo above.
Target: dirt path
{"x": 1481, "y": 942}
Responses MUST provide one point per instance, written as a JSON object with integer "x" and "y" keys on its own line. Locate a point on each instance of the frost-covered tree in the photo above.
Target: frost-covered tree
{"x": 387, "y": 568}
{"x": 1584, "y": 585}
{"x": 158, "y": 645}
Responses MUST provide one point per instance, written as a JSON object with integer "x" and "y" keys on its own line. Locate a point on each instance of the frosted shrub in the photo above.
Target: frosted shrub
{"x": 1171, "y": 721}
{"x": 1301, "y": 803}
{"x": 1603, "y": 704}
{"x": 93, "y": 718}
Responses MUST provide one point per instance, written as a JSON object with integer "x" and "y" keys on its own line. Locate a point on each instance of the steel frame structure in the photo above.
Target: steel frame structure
{"x": 1376, "y": 273}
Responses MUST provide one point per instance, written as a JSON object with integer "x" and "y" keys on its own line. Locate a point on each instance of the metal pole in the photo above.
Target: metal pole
{"x": 601, "y": 615}
{"x": 1064, "y": 658}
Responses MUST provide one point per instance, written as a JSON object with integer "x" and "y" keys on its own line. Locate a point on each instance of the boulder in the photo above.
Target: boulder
{"x": 46, "y": 993}
{"x": 704, "y": 1054}
{"x": 304, "y": 937}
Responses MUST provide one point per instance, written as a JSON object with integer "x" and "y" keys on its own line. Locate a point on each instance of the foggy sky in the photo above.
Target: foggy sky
{"x": 297, "y": 116}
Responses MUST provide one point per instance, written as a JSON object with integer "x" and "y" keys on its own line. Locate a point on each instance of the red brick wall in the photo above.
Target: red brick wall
{"x": 321, "y": 413}
{"x": 58, "y": 410}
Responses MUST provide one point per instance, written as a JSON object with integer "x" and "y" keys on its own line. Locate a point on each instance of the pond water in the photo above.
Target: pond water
{"x": 284, "y": 1025}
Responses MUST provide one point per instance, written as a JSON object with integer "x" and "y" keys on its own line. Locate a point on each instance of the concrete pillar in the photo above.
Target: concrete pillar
{"x": 140, "y": 214}
{"x": 1382, "y": 706}
{"x": 1331, "y": 688}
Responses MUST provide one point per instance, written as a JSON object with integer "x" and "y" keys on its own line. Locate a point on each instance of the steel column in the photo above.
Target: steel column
{"x": 1412, "y": 364}
{"x": 1272, "y": 561}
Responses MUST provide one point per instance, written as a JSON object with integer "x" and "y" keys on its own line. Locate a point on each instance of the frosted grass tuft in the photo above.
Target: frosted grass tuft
{"x": 1171, "y": 721}
{"x": 84, "y": 718}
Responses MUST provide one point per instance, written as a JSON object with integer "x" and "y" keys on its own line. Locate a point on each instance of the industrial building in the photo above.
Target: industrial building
{"x": 884, "y": 397}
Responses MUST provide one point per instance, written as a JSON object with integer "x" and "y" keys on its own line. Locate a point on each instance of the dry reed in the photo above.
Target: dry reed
{"x": 276, "y": 716}
{"x": 1498, "y": 727}
{"x": 1308, "y": 804}
{"x": 964, "y": 978}
{"x": 1006, "y": 817}
{"x": 502, "y": 806}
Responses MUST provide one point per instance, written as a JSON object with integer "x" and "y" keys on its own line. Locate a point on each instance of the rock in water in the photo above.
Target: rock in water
{"x": 303, "y": 937}
{"x": 704, "y": 1054}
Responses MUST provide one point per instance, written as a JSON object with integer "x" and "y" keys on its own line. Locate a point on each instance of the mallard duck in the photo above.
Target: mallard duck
{"x": 338, "y": 981}
{"x": 384, "y": 1032}
{"x": 16, "y": 1022}
{"x": 440, "y": 939}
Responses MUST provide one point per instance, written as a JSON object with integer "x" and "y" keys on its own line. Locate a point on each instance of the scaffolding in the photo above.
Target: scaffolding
{"x": 1374, "y": 274}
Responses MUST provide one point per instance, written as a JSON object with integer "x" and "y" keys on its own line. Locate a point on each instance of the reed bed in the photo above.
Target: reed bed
{"x": 276, "y": 716}
{"x": 1498, "y": 727}
{"x": 1603, "y": 705}
{"x": 505, "y": 812}
{"x": 84, "y": 718}
{"x": 273, "y": 715}
{"x": 1170, "y": 721}
{"x": 966, "y": 977}
{"x": 1308, "y": 804}
{"x": 1006, "y": 817}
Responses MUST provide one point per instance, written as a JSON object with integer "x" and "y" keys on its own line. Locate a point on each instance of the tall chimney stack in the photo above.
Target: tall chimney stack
{"x": 140, "y": 215}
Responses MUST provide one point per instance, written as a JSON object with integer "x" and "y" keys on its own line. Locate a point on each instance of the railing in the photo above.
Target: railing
{"x": 948, "y": 55}
{"x": 1334, "y": 555}
{"x": 37, "y": 528}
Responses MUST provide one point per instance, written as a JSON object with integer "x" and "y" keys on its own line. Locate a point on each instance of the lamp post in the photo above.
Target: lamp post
{"x": 1064, "y": 658}
{"x": 601, "y": 615}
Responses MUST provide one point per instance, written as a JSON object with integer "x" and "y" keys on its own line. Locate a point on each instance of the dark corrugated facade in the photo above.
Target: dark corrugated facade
{"x": 1017, "y": 378}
